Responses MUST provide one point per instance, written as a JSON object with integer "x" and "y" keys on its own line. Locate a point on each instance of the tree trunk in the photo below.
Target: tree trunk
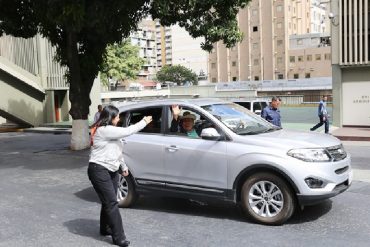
{"x": 79, "y": 96}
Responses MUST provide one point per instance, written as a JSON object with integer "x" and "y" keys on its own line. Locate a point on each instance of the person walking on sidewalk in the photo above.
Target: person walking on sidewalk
{"x": 323, "y": 115}
{"x": 272, "y": 113}
{"x": 97, "y": 114}
{"x": 106, "y": 161}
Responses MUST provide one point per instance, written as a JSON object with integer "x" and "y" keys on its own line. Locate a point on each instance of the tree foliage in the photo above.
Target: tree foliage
{"x": 121, "y": 61}
{"x": 178, "y": 74}
{"x": 81, "y": 30}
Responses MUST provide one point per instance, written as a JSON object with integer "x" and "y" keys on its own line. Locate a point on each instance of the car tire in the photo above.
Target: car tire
{"x": 267, "y": 199}
{"x": 126, "y": 194}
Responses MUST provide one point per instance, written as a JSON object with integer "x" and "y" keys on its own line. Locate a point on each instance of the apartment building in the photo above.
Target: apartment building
{"x": 309, "y": 56}
{"x": 145, "y": 38}
{"x": 164, "y": 45}
{"x": 264, "y": 53}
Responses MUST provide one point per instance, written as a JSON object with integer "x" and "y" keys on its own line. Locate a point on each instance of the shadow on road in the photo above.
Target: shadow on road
{"x": 311, "y": 213}
{"x": 190, "y": 207}
{"x": 222, "y": 210}
{"x": 87, "y": 228}
{"x": 88, "y": 194}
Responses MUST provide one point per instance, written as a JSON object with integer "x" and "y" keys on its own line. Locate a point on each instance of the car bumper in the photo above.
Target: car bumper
{"x": 305, "y": 200}
{"x": 334, "y": 183}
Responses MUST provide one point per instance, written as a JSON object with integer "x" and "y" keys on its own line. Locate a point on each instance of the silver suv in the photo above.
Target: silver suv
{"x": 237, "y": 157}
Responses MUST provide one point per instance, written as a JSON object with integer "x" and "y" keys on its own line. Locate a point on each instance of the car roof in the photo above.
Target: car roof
{"x": 149, "y": 103}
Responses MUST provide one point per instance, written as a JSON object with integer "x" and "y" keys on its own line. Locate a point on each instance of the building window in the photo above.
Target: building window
{"x": 279, "y": 8}
{"x": 327, "y": 56}
{"x": 255, "y": 29}
{"x": 296, "y": 76}
{"x": 255, "y": 46}
{"x": 255, "y": 62}
{"x": 233, "y": 63}
{"x": 279, "y": 60}
{"x": 300, "y": 58}
{"x": 213, "y": 79}
{"x": 256, "y": 78}
{"x": 308, "y": 75}
{"x": 309, "y": 57}
{"x": 318, "y": 57}
{"x": 234, "y": 78}
{"x": 280, "y": 76}
{"x": 292, "y": 59}
{"x": 279, "y": 42}
{"x": 213, "y": 65}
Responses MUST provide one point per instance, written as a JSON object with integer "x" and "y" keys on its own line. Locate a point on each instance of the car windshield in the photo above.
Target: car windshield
{"x": 240, "y": 120}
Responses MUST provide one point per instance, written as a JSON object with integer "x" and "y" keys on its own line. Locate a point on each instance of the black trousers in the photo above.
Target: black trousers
{"x": 105, "y": 184}
{"x": 322, "y": 121}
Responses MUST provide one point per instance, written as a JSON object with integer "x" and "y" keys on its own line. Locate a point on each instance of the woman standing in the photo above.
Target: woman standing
{"x": 106, "y": 161}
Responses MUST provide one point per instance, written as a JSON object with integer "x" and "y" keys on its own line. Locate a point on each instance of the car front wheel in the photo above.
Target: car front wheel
{"x": 267, "y": 199}
{"x": 126, "y": 194}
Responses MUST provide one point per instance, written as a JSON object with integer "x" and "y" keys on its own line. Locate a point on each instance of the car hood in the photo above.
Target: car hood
{"x": 288, "y": 139}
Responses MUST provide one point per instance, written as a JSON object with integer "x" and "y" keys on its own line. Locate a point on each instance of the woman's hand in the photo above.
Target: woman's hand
{"x": 125, "y": 173}
{"x": 148, "y": 119}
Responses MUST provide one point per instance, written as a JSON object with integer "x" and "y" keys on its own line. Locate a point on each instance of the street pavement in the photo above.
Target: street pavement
{"x": 47, "y": 200}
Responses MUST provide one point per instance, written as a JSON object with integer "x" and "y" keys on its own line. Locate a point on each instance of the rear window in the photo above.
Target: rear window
{"x": 244, "y": 104}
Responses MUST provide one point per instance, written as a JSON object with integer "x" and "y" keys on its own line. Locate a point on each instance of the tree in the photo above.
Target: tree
{"x": 178, "y": 74}
{"x": 81, "y": 30}
{"x": 121, "y": 61}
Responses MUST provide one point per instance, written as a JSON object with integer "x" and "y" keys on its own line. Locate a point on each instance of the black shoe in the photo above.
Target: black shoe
{"x": 122, "y": 243}
{"x": 105, "y": 232}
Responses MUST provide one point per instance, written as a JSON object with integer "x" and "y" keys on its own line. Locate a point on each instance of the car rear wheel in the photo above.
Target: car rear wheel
{"x": 267, "y": 199}
{"x": 126, "y": 194}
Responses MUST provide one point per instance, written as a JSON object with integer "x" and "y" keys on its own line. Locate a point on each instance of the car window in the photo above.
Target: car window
{"x": 257, "y": 106}
{"x": 244, "y": 104}
{"x": 178, "y": 127}
{"x": 134, "y": 116}
{"x": 238, "y": 119}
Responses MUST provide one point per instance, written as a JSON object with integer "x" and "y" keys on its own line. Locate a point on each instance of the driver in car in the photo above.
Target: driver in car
{"x": 184, "y": 123}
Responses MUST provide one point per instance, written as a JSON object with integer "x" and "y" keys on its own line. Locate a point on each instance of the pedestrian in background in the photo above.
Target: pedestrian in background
{"x": 97, "y": 114}
{"x": 323, "y": 115}
{"x": 106, "y": 161}
{"x": 272, "y": 113}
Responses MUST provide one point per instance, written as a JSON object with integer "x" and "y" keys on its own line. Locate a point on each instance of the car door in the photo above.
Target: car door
{"x": 195, "y": 163}
{"x": 144, "y": 151}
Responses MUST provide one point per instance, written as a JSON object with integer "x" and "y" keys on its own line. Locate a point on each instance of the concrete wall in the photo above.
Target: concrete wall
{"x": 20, "y": 101}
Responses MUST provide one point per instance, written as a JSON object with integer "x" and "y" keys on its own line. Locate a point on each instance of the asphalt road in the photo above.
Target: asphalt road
{"x": 46, "y": 200}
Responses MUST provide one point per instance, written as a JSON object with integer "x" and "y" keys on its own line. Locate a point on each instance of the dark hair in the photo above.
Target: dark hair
{"x": 107, "y": 115}
{"x": 275, "y": 98}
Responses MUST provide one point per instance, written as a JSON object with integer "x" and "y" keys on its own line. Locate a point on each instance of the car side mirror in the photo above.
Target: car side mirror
{"x": 210, "y": 134}
{"x": 258, "y": 112}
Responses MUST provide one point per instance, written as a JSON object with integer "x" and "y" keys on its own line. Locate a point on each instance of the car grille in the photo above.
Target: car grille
{"x": 337, "y": 153}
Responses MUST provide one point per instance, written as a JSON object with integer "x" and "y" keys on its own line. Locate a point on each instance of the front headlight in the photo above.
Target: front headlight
{"x": 310, "y": 155}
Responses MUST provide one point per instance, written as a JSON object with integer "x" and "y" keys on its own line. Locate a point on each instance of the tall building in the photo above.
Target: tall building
{"x": 164, "y": 45}
{"x": 264, "y": 52}
{"x": 145, "y": 38}
{"x": 176, "y": 47}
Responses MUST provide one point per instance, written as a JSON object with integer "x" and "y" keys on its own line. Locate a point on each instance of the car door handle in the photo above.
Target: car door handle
{"x": 172, "y": 148}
